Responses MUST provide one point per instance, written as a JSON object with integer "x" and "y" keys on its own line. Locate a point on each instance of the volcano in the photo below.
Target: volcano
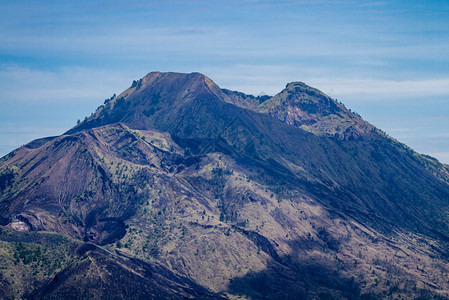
{"x": 177, "y": 188}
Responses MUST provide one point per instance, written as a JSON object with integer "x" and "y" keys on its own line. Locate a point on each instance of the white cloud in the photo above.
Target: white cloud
{"x": 382, "y": 89}
{"x": 19, "y": 83}
{"x": 272, "y": 79}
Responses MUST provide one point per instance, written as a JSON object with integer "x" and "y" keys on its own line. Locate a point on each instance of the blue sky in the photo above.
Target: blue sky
{"x": 387, "y": 60}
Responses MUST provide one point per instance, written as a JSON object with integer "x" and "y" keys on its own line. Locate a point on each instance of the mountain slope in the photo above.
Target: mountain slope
{"x": 66, "y": 268}
{"x": 308, "y": 108}
{"x": 293, "y": 193}
{"x": 373, "y": 174}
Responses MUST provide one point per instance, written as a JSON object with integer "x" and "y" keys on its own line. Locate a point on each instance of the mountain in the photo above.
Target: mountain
{"x": 179, "y": 188}
{"x": 310, "y": 109}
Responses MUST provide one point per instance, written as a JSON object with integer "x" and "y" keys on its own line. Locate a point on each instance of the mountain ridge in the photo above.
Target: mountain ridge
{"x": 233, "y": 194}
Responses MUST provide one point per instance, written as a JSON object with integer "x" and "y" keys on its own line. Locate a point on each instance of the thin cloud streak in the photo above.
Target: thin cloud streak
{"x": 381, "y": 89}
{"x": 128, "y": 43}
{"x": 25, "y": 84}
{"x": 20, "y": 83}
{"x": 272, "y": 78}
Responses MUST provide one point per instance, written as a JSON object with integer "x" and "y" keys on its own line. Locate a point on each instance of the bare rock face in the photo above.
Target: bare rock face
{"x": 310, "y": 109}
{"x": 187, "y": 190}
{"x": 18, "y": 225}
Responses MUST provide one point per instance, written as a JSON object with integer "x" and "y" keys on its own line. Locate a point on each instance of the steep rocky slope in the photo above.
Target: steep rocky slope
{"x": 305, "y": 107}
{"x": 224, "y": 195}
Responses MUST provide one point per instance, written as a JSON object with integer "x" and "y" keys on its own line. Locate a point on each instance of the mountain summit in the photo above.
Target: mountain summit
{"x": 183, "y": 189}
{"x": 308, "y": 108}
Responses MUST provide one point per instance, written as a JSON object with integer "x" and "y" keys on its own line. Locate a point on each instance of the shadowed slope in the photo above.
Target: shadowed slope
{"x": 176, "y": 170}
{"x": 361, "y": 171}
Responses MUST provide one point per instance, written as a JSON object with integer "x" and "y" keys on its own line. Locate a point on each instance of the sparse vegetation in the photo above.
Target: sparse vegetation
{"x": 325, "y": 206}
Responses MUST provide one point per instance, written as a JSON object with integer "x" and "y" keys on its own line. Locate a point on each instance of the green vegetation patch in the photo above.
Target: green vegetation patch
{"x": 27, "y": 260}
